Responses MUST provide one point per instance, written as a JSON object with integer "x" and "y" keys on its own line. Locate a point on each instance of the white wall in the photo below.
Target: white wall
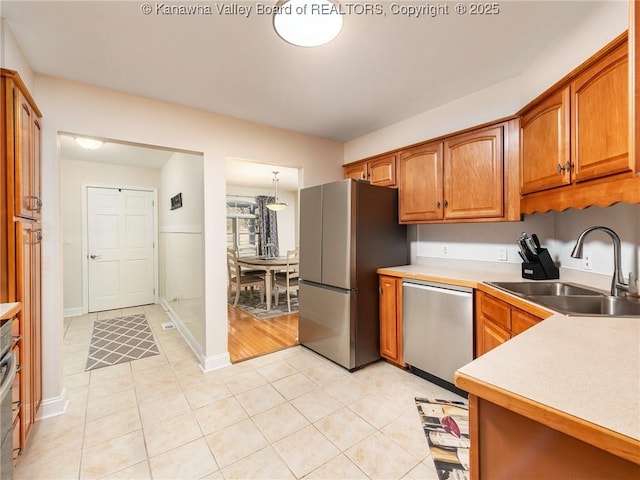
{"x": 73, "y": 174}
{"x": 287, "y": 218}
{"x": 182, "y": 254}
{"x": 75, "y": 107}
{"x": 12, "y": 56}
{"x": 183, "y": 173}
{"x": 557, "y": 231}
{"x": 579, "y": 41}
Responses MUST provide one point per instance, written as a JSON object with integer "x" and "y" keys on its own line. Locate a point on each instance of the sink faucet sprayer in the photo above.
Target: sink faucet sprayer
{"x": 618, "y": 286}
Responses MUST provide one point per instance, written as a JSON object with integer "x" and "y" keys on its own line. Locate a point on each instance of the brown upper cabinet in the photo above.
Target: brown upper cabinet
{"x": 474, "y": 174}
{"x": 545, "y": 146}
{"x": 575, "y": 139}
{"x": 600, "y": 118}
{"x": 420, "y": 187}
{"x": 25, "y": 119}
{"x": 379, "y": 170}
{"x": 464, "y": 177}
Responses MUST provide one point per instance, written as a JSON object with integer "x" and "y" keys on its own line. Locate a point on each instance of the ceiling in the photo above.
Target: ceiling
{"x": 381, "y": 68}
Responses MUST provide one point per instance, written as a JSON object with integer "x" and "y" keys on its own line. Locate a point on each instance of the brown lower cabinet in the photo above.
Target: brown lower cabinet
{"x": 391, "y": 319}
{"x": 28, "y": 263}
{"x": 506, "y": 445}
{"x": 497, "y": 321}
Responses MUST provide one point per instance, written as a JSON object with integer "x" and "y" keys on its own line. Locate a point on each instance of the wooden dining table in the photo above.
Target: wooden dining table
{"x": 270, "y": 265}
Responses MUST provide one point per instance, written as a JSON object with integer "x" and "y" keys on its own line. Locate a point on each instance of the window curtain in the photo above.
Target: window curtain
{"x": 267, "y": 227}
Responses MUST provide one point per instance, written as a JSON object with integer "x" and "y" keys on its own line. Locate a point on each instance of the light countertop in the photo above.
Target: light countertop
{"x": 8, "y": 310}
{"x": 585, "y": 368}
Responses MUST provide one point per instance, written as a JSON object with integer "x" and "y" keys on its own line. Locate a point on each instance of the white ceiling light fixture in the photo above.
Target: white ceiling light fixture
{"x": 276, "y": 205}
{"x": 307, "y": 23}
{"x": 89, "y": 143}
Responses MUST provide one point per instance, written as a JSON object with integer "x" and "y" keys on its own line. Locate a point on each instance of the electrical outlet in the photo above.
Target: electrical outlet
{"x": 586, "y": 261}
{"x": 502, "y": 254}
{"x": 445, "y": 250}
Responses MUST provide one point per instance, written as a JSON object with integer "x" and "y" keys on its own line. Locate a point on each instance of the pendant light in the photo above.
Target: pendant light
{"x": 307, "y": 23}
{"x": 276, "y": 205}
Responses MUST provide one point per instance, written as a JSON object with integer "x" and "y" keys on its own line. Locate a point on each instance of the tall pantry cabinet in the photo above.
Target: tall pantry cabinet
{"x": 20, "y": 244}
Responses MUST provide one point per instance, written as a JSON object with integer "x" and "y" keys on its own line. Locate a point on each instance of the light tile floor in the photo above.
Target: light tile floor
{"x": 289, "y": 414}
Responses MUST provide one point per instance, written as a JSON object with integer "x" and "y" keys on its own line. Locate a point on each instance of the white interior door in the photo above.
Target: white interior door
{"x": 120, "y": 248}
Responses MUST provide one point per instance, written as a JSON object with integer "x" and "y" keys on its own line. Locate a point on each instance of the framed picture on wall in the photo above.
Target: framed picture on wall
{"x": 176, "y": 201}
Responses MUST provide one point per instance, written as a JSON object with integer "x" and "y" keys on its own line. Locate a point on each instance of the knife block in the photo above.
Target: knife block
{"x": 542, "y": 268}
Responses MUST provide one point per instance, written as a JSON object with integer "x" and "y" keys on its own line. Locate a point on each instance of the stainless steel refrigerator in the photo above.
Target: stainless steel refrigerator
{"x": 348, "y": 229}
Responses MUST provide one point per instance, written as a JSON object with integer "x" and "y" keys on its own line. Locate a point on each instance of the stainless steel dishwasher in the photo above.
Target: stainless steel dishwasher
{"x": 437, "y": 324}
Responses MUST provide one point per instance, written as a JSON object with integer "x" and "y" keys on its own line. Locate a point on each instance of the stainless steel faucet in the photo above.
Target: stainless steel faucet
{"x": 618, "y": 285}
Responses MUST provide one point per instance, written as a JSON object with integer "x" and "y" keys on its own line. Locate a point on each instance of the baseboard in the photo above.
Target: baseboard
{"x": 53, "y": 407}
{"x": 72, "y": 312}
{"x": 207, "y": 364}
{"x": 215, "y": 362}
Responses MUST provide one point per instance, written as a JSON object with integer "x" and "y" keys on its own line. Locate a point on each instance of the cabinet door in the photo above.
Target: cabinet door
{"x": 474, "y": 174}
{"x": 24, "y": 269}
{"x": 357, "y": 171}
{"x": 544, "y": 144}
{"x": 489, "y": 336}
{"x": 390, "y": 319}
{"x": 28, "y": 239}
{"x": 420, "y": 183}
{"x": 27, "y": 166}
{"x": 382, "y": 171}
{"x": 600, "y": 119}
{"x": 36, "y": 320}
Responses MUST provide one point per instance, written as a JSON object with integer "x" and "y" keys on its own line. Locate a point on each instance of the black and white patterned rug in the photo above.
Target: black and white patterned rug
{"x": 119, "y": 340}
{"x": 252, "y": 305}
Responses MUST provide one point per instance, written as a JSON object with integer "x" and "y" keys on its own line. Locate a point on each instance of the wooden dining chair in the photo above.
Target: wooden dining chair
{"x": 287, "y": 279}
{"x": 239, "y": 280}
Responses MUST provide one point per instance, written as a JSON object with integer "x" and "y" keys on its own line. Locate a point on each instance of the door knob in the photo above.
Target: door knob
{"x": 93, "y": 257}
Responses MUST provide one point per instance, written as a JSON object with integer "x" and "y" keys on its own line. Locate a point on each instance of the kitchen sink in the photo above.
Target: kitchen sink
{"x": 589, "y": 305}
{"x": 572, "y": 299}
{"x": 555, "y": 289}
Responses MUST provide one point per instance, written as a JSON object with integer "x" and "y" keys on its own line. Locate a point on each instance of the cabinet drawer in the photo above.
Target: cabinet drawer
{"x": 495, "y": 310}
{"x": 521, "y": 321}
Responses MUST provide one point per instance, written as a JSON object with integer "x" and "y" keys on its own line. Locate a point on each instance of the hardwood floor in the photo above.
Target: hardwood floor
{"x": 249, "y": 337}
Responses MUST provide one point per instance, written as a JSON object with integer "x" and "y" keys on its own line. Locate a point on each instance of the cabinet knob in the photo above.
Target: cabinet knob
{"x": 561, "y": 169}
{"x": 38, "y": 202}
{"x": 446, "y": 204}
{"x": 438, "y": 205}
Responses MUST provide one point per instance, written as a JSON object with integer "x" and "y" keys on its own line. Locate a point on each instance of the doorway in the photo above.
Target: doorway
{"x": 249, "y": 336}
{"x": 121, "y": 244}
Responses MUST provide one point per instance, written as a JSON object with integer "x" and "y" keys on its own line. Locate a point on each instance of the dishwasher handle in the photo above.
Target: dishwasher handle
{"x": 440, "y": 288}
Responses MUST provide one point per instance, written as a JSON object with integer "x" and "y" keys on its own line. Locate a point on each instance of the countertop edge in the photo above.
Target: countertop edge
{"x": 9, "y": 310}
{"x": 588, "y": 432}
{"x": 428, "y": 278}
